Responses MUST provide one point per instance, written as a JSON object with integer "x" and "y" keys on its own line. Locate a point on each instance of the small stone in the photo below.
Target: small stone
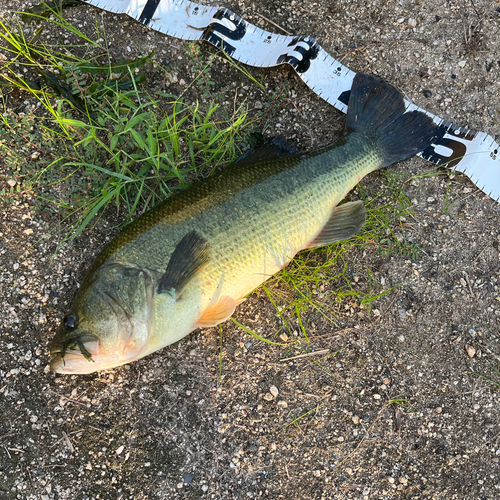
{"x": 427, "y": 93}
{"x": 204, "y": 488}
{"x": 386, "y": 381}
{"x": 188, "y": 478}
{"x": 392, "y": 480}
{"x": 28, "y": 231}
{"x": 119, "y": 450}
{"x": 268, "y": 397}
{"x": 355, "y": 419}
{"x": 11, "y": 182}
{"x": 274, "y": 391}
{"x": 179, "y": 485}
{"x": 377, "y": 396}
{"x": 462, "y": 64}
{"x": 258, "y": 105}
{"x": 439, "y": 410}
{"x": 471, "y": 352}
{"x": 412, "y": 22}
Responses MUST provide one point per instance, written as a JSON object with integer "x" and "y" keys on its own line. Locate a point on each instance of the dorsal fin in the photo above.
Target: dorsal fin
{"x": 188, "y": 259}
{"x": 346, "y": 221}
{"x": 268, "y": 148}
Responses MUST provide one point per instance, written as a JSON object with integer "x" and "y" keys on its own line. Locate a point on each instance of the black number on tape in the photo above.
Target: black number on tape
{"x": 458, "y": 149}
{"x": 149, "y": 11}
{"x": 302, "y": 63}
{"x": 217, "y": 32}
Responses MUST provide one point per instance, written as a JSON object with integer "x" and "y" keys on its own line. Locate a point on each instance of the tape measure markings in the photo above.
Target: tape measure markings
{"x": 457, "y": 148}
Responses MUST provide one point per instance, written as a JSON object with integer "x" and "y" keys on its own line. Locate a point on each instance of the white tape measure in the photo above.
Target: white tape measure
{"x": 476, "y": 154}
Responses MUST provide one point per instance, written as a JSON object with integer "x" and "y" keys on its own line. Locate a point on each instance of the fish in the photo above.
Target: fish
{"x": 192, "y": 259}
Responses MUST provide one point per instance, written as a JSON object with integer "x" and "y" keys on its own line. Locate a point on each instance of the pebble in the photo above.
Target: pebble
{"x": 188, "y": 478}
{"x": 462, "y": 64}
{"x": 471, "y": 352}
{"x": 355, "y": 419}
{"x": 274, "y": 391}
{"x": 119, "y": 450}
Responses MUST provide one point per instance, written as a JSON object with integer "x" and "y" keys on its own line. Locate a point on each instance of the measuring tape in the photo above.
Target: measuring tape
{"x": 476, "y": 154}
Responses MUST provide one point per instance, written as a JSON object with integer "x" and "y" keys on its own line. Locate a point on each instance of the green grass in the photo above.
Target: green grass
{"x": 494, "y": 376}
{"x": 403, "y": 403}
{"x": 98, "y": 138}
{"x": 101, "y": 139}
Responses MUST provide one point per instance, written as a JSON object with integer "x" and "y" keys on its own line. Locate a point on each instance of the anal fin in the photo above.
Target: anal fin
{"x": 217, "y": 313}
{"x": 346, "y": 221}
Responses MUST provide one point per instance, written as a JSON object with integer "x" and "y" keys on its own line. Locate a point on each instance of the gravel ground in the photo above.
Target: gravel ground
{"x": 408, "y": 407}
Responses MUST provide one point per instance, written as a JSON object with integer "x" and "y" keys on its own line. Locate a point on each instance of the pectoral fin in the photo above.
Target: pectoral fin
{"x": 346, "y": 221}
{"x": 188, "y": 259}
{"x": 216, "y": 313}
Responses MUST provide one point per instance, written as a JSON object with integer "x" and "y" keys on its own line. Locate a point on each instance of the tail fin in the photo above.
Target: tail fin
{"x": 377, "y": 110}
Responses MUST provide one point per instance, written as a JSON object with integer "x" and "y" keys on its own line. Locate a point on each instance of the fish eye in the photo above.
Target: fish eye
{"x": 70, "y": 322}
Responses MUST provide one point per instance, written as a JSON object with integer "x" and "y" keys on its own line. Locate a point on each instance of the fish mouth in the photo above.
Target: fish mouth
{"x": 72, "y": 362}
{"x": 75, "y": 353}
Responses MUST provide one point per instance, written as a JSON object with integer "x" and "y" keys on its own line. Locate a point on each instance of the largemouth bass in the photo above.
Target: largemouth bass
{"x": 191, "y": 260}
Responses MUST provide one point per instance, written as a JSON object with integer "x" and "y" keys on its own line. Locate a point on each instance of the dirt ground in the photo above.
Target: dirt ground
{"x": 408, "y": 407}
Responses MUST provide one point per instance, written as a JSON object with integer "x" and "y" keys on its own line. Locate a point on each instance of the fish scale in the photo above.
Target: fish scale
{"x": 286, "y": 201}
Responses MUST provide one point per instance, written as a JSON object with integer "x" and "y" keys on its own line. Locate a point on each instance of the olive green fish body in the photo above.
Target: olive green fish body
{"x": 259, "y": 216}
{"x": 191, "y": 260}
